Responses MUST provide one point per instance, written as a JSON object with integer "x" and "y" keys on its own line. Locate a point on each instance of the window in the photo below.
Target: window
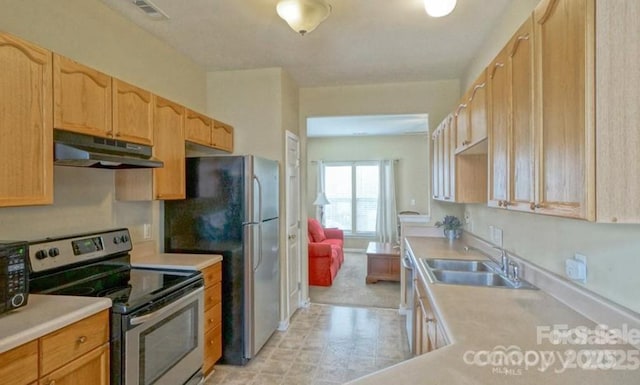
{"x": 352, "y": 190}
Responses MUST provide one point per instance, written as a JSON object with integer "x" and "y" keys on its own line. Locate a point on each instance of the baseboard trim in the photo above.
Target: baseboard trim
{"x": 283, "y": 325}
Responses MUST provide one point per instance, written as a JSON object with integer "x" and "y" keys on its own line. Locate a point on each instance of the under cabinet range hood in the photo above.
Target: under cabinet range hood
{"x": 79, "y": 150}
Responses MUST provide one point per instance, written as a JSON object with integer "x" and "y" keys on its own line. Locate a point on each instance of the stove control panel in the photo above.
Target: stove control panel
{"x": 53, "y": 253}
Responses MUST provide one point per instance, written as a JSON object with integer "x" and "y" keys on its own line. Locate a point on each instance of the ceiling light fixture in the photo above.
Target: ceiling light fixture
{"x": 439, "y": 8}
{"x": 303, "y": 16}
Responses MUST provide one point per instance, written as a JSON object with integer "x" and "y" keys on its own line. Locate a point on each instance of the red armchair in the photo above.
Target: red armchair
{"x": 326, "y": 253}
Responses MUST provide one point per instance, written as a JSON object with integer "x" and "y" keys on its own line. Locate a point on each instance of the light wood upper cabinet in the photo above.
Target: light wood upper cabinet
{"x": 564, "y": 123}
{"x": 222, "y": 137}
{"x": 169, "y": 181}
{"x": 617, "y": 111}
{"x": 499, "y": 91}
{"x": 132, "y": 113}
{"x": 462, "y": 124}
{"x": 26, "y": 147}
{"x": 82, "y": 98}
{"x": 198, "y": 128}
{"x": 511, "y": 145}
{"x": 521, "y": 153}
{"x": 471, "y": 116}
{"x": 460, "y": 178}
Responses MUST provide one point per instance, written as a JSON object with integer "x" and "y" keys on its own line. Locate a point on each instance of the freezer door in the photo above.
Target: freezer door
{"x": 265, "y": 189}
{"x": 265, "y": 298}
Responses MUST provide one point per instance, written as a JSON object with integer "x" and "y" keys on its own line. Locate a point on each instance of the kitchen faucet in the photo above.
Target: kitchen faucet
{"x": 504, "y": 261}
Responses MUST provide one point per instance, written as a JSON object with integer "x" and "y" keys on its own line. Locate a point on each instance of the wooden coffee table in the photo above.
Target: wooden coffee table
{"x": 383, "y": 262}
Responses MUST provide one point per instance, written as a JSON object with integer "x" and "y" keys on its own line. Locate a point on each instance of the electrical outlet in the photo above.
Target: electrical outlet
{"x": 146, "y": 231}
{"x": 576, "y": 268}
{"x": 497, "y": 236}
{"x": 413, "y": 202}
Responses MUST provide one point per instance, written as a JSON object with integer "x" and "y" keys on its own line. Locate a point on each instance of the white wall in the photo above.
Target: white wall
{"x": 436, "y": 98}
{"x": 514, "y": 15}
{"x": 261, "y": 104}
{"x": 612, "y": 250}
{"x": 91, "y": 33}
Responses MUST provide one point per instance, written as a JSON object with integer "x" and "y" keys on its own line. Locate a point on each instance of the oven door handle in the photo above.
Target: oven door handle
{"x": 165, "y": 309}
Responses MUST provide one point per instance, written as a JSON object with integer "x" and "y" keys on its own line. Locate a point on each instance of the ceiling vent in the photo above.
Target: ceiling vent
{"x": 150, "y": 9}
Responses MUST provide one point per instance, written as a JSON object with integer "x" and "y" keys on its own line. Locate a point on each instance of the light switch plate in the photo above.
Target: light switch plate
{"x": 576, "y": 268}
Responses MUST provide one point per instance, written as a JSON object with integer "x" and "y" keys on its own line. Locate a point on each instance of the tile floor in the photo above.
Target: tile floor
{"x": 325, "y": 345}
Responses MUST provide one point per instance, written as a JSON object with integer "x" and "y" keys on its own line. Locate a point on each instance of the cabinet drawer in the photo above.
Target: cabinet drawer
{"x": 19, "y": 366}
{"x": 91, "y": 368}
{"x": 212, "y": 274}
{"x": 213, "y": 316}
{"x": 212, "y": 347}
{"x": 67, "y": 344}
{"x": 212, "y": 296}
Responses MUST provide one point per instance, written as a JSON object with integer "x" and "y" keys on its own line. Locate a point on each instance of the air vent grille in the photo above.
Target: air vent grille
{"x": 150, "y": 9}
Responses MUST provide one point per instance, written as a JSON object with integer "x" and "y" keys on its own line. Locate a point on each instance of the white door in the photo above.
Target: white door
{"x": 293, "y": 223}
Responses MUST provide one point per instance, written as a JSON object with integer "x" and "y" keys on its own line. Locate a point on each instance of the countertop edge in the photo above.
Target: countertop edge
{"x": 176, "y": 261}
{"x": 86, "y": 309}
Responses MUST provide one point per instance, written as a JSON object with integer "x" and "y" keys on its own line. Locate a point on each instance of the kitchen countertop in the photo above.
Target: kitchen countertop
{"x": 485, "y": 320}
{"x": 175, "y": 261}
{"x": 44, "y": 314}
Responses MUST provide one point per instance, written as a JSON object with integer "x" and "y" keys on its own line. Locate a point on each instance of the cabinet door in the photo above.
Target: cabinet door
{"x": 91, "y": 368}
{"x": 499, "y": 130}
{"x": 169, "y": 181}
{"x": 435, "y": 166}
{"x": 82, "y": 98}
{"x": 617, "y": 117}
{"x": 132, "y": 113}
{"x": 198, "y": 128}
{"x": 26, "y": 147}
{"x": 447, "y": 160}
{"x": 521, "y": 169}
{"x": 462, "y": 125}
{"x": 477, "y": 131}
{"x": 222, "y": 137}
{"x": 19, "y": 366}
{"x": 564, "y": 93}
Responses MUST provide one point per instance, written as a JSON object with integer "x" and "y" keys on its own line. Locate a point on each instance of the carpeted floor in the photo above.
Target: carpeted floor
{"x": 349, "y": 287}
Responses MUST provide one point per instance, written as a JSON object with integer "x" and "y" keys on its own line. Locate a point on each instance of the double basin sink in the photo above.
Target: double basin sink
{"x": 471, "y": 272}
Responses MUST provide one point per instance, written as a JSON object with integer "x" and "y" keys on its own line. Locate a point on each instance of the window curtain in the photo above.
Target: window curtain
{"x": 319, "y": 188}
{"x": 386, "y": 224}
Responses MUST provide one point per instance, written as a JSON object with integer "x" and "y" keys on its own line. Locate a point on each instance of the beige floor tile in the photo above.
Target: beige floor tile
{"x": 325, "y": 345}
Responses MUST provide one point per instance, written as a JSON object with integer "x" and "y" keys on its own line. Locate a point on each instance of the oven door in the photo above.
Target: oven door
{"x": 165, "y": 346}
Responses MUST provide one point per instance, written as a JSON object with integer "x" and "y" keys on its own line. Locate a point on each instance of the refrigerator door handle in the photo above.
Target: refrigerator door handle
{"x": 258, "y": 192}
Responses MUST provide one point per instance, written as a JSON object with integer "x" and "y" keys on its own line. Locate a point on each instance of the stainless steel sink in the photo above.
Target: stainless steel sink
{"x": 470, "y": 272}
{"x": 470, "y": 278}
{"x": 457, "y": 264}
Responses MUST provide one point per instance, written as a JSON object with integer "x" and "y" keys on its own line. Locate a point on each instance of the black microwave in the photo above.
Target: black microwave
{"x": 14, "y": 275}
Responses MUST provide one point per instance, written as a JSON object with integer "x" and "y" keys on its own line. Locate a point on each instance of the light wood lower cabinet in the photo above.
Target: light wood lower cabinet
{"x": 429, "y": 334}
{"x": 75, "y": 354}
{"x": 213, "y": 316}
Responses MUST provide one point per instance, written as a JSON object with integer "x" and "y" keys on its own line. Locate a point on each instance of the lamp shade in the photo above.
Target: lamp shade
{"x": 439, "y": 8}
{"x": 303, "y": 16}
{"x": 321, "y": 200}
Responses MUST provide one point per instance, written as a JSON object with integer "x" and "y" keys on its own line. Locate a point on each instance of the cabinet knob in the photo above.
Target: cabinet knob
{"x": 499, "y": 203}
{"x": 534, "y": 206}
{"x": 52, "y": 382}
{"x": 81, "y": 339}
{"x": 505, "y": 204}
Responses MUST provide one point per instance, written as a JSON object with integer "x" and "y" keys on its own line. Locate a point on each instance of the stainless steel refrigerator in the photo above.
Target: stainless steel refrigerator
{"x": 232, "y": 209}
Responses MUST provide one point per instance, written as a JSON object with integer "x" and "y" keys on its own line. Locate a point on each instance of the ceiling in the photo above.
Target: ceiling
{"x": 362, "y": 41}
